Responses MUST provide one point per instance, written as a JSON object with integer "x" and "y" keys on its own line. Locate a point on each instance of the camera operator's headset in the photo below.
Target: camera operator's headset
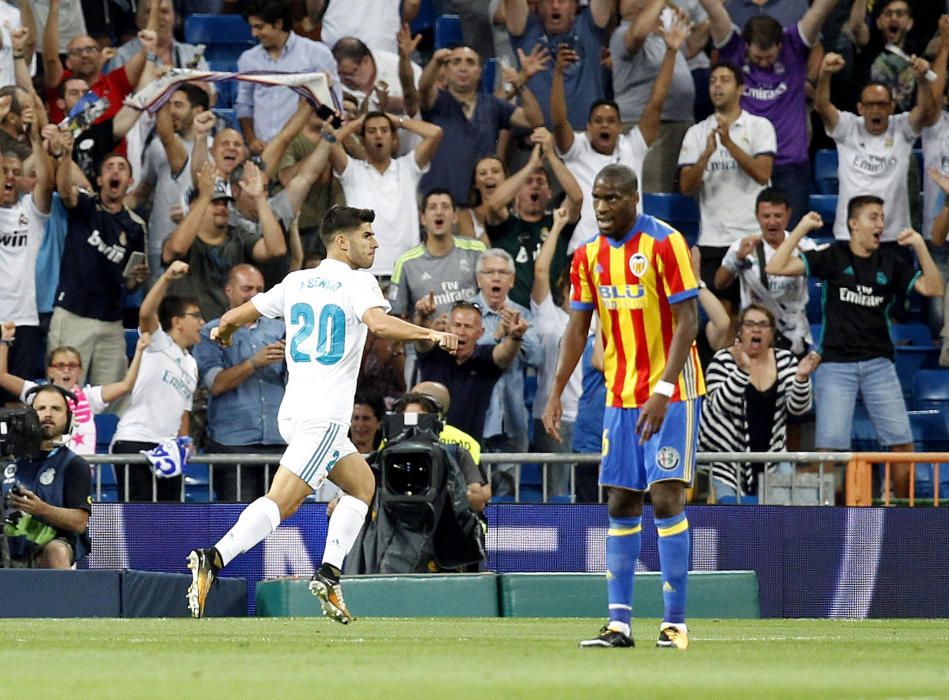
{"x": 30, "y": 396}
{"x": 430, "y": 403}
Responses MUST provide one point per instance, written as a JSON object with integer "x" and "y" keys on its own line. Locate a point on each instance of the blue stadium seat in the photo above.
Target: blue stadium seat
{"x": 826, "y": 206}
{"x": 448, "y": 32}
{"x": 217, "y": 29}
{"x": 677, "y": 210}
{"x": 930, "y": 434}
{"x": 224, "y": 56}
{"x": 815, "y": 312}
{"x": 817, "y": 329}
{"x": 425, "y": 19}
{"x": 915, "y": 351}
{"x": 197, "y": 483}
{"x": 131, "y": 340}
{"x": 229, "y": 117}
{"x": 489, "y": 76}
{"x": 825, "y": 171}
{"x": 106, "y": 424}
{"x": 109, "y": 486}
{"x": 931, "y": 390}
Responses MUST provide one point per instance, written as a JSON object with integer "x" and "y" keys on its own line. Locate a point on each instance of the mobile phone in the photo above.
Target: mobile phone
{"x": 135, "y": 259}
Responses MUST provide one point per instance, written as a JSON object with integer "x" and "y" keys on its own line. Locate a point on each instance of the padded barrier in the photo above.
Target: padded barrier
{"x": 154, "y": 594}
{"x": 45, "y": 593}
{"x": 410, "y": 595}
{"x": 103, "y": 593}
{"x": 732, "y": 594}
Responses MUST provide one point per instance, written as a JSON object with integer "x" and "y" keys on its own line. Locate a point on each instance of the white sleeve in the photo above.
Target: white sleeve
{"x": 27, "y": 385}
{"x": 270, "y": 303}
{"x": 544, "y": 316}
{"x": 94, "y": 396}
{"x": 846, "y": 124}
{"x": 366, "y": 294}
{"x": 730, "y": 261}
{"x": 764, "y": 140}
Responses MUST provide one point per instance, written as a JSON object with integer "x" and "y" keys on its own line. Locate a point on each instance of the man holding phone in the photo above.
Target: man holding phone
{"x": 98, "y": 263}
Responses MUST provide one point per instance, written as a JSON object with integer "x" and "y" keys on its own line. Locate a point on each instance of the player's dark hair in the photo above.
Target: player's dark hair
{"x": 196, "y": 96}
{"x": 61, "y": 90}
{"x": 622, "y": 175}
{"x": 342, "y": 219}
{"x": 436, "y": 191}
{"x": 602, "y": 103}
{"x": 270, "y": 12}
{"x": 373, "y": 401}
{"x": 172, "y": 306}
{"x": 739, "y": 78}
{"x": 352, "y": 48}
{"x": 375, "y": 114}
{"x": 763, "y": 31}
{"x": 772, "y": 195}
{"x": 859, "y": 202}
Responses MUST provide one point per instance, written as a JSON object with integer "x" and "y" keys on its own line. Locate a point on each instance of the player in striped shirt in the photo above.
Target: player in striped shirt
{"x": 637, "y": 275}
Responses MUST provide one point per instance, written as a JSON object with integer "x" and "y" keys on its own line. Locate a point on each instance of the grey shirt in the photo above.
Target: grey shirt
{"x": 451, "y": 277}
{"x": 635, "y": 74}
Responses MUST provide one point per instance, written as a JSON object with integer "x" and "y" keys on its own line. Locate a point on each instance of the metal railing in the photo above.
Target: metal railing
{"x": 857, "y": 488}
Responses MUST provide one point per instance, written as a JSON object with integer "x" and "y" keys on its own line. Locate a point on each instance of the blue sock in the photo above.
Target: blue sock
{"x": 674, "y": 544}
{"x": 622, "y": 550}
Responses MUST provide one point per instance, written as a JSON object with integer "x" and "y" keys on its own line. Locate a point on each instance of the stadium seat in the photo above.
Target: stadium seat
{"x": 930, "y": 434}
{"x": 197, "y": 483}
{"x": 448, "y": 32}
{"x": 677, "y": 210}
{"x": 224, "y": 56}
{"x": 229, "y": 117}
{"x": 826, "y": 206}
{"x": 825, "y": 171}
{"x": 106, "y": 424}
{"x": 489, "y": 76}
{"x": 931, "y": 390}
{"x": 915, "y": 351}
{"x": 217, "y": 29}
{"x": 425, "y": 19}
{"x": 131, "y": 340}
{"x": 814, "y": 309}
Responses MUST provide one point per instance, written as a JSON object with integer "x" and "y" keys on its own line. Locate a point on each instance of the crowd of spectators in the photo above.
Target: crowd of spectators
{"x": 112, "y": 217}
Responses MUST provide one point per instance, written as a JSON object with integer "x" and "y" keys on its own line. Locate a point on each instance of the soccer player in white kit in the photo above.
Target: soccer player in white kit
{"x": 327, "y": 311}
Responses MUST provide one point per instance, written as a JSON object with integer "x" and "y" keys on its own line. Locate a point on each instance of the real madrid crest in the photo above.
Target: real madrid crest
{"x": 47, "y": 476}
{"x": 123, "y": 239}
{"x": 9, "y": 471}
{"x": 638, "y": 264}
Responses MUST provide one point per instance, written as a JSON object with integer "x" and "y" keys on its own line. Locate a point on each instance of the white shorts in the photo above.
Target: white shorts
{"x": 312, "y": 453}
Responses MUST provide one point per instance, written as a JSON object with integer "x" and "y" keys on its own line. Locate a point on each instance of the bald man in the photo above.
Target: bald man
{"x": 246, "y": 383}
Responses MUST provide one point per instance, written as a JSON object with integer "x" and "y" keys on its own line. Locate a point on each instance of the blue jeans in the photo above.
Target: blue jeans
{"x": 836, "y": 385}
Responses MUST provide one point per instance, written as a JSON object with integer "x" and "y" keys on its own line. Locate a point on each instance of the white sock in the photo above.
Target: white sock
{"x": 345, "y": 523}
{"x": 257, "y": 521}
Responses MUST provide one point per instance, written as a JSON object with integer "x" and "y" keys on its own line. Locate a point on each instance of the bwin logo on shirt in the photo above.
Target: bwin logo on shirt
{"x": 113, "y": 253}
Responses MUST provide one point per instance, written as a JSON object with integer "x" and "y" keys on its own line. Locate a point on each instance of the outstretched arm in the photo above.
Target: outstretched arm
{"x": 506, "y": 191}
{"x": 426, "y": 83}
{"x": 110, "y": 392}
{"x": 651, "y": 117}
{"x": 541, "y": 287}
{"x": 148, "y": 311}
{"x": 563, "y": 130}
{"x": 394, "y": 328}
{"x": 8, "y": 382}
{"x": 832, "y": 63}
{"x": 784, "y": 262}
{"x": 719, "y": 21}
{"x": 812, "y": 21}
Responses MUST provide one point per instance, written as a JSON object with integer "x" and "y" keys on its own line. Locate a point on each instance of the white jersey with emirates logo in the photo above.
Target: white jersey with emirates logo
{"x": 322, "y": 309}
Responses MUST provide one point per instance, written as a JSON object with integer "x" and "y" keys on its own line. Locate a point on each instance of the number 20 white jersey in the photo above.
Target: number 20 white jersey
{"x": 323, "y": 310}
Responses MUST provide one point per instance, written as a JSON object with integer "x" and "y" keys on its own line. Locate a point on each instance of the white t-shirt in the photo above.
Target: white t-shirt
{"x": 785, "y": 296}
{"x": 585, "y": 162}
{"x": 727, "y": 194}
{"x": 551, "y": 324}
{"x": 392, "y": 195}
{"x": 72, "y": 23}
{"x": 10, "y": 19}
{"x": 935, "y": 154}
{"x": 375, "y": 22}
{"x": 323, "y": 310}
{"x": 874, "y": 165}
{"x": 22, "y": 228}
{"x": 162, "y": 393}
{"x": 88, "y": 404}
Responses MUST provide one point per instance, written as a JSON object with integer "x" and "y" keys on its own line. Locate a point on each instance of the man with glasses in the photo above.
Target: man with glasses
{"x": 506, "y": 423}
{"x": 84, "y": 60}
{"x": 874, "y": 147}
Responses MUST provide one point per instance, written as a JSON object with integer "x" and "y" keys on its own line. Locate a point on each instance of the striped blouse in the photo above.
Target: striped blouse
{"x": 724, "y": 426}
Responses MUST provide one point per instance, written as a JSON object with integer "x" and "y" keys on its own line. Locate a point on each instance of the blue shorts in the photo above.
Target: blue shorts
{"x": 836, "y": 385}
{"x": 667, "y": 455}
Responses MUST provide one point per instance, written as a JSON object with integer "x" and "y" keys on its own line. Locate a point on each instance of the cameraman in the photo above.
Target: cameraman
{"x": 46, "y": 499}
{"x": 478, "y": 490}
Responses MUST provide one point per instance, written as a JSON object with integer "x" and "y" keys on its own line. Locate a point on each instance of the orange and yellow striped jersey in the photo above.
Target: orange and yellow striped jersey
{"x": 633, "y": 284}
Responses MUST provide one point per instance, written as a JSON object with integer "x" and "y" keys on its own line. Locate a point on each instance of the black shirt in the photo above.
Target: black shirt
{"x": 523, "y": 239}
{"x": 92, "y": 146}
{"x": 97, "y": 247}
{"x": 857, "y": 294}
{"x": 470, "y": 385}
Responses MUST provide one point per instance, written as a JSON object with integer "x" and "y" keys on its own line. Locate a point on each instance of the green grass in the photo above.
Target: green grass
{"x": 461, "y": 658}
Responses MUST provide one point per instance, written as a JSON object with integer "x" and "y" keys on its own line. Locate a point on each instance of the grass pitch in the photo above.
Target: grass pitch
{"x": 462, "y": 658}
